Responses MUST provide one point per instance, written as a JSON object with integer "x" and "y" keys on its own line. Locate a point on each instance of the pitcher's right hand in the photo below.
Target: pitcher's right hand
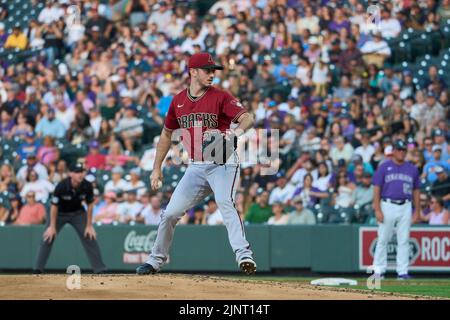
{"x": 155, "y": 179}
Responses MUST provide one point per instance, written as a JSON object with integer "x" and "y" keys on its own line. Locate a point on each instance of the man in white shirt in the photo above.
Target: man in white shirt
{"x": 152, "y": 211}
{"x": 365, "y": 150}
{"x": 130, "y": 209}
{"x": 376, "y": 46}
{"x": 116, "y": 183}
{"x": 283, "y": 192}
{"x": 135, "y": 183}
{"x": 162, "y": 16}
{"x": 52, "y": 12}
{"x": 214, "y": 217}
{"x": 130, "y": 127}
{"x": 64, "y": 114}
{"x": 341, "y": 150}
{"x": 299, "y": 174}
{"x": 291, "y": 107}
{"x": 32, "y": 163}
{"x": 389, "y": 26}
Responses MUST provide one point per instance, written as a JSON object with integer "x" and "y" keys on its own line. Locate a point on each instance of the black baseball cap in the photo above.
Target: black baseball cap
{"x": 77, "y": 168}
{"x": 400, "y": 144}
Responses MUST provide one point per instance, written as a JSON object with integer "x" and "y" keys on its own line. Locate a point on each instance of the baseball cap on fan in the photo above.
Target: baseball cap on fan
{"x": 203, "y": 60}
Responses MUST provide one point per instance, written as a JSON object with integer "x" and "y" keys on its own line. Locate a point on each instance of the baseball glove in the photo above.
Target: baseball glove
{"x": 218, "y": 147}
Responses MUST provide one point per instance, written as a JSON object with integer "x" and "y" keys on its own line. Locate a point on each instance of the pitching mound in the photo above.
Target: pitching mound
{"x": 170, "y": 287}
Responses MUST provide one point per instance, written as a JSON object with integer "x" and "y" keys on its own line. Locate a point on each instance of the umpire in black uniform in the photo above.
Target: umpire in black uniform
{"x": 67, "y": 207}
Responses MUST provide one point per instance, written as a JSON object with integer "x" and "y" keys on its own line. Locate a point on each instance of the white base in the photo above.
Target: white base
{"x": 334, "y": 282}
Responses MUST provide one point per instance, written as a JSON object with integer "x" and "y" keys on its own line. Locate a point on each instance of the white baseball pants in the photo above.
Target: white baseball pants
{"x": 398, "y": 216}
{"x": 199, "y": 181}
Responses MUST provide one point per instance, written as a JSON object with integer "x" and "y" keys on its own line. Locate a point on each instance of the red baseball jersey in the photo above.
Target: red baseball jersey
{"x": 215, "y": 109}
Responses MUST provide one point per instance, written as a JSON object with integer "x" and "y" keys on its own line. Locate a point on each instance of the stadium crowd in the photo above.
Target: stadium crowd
{"x": 98, "y": 91}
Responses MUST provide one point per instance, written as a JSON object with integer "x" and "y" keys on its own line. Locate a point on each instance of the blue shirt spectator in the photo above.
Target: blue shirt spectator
{"x": 50, "y": 126}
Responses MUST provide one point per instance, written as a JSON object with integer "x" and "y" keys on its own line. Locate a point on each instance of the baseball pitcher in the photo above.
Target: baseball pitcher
{"x": 204, "y": 114}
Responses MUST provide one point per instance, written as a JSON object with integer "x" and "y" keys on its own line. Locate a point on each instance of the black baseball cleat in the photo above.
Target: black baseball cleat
{"x": 37, "y": 271}
{"x": 247, "y": 265}
{"x": 145, "y": 269}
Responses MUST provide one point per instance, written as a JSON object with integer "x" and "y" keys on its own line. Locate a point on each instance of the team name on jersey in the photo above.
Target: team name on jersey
{"x": 208, "y": 120}
{"x": 398, "y": 176}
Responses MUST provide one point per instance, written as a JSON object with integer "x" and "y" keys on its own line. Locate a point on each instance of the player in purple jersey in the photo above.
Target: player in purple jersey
{"x": 396, "y": 185}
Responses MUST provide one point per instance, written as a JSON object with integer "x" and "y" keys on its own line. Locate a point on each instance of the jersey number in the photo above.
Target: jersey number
{"x": 407, "y": 188}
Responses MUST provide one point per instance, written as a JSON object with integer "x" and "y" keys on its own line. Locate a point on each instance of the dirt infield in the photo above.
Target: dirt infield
{"x": 171, "y": 287}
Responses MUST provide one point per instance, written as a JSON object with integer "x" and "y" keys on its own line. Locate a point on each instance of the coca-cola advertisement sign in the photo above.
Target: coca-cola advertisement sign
{"x": 138, "y": 246}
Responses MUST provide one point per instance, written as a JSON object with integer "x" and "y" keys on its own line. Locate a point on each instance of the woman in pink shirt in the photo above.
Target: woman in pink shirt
{"x": 115, "y": 156}
{"x": 48, "y": 153}
{"x": 108, "y": 213}
{"x": 31, "y": 213}
{"x": 438, "y": 214}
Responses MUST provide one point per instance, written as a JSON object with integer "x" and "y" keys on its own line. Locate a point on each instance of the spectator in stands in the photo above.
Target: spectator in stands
{"x": 441, "y": 187}
{"x": 443, "y": 11}
{"x": 152, "y": 209}
{"x": 440, "y": 140}
{"x": 110, "y": 109}
{"x": 115, "y": 156}
{"x": 22, "y": 128}
{"x": 51, "y": 13}
{"x": 48, "y": 153}
{"x": 95, "y": 159}
{"x": 278, "y": 217}
{"x": 3, "y": 34}
{"x": 58, "y": 172}
{"x": 283, "y": 192}
{"x": 365, "y": 150}
{"x": 358, "y": 160}
{"x": 364, "y": 191}
{"x": 109, "y": 213}
{"x": 32, "y": 212}
{"x": 344, "y": 197}
{"x": 431, "y": 165}
{"x": 432, "y": 113}
{"x": 351, "y": 57}
{"x": 130, "y": 128}
{"x": 304, "y": 165}
{"x": 50, "y": 126}
{"x": 9, "y": 216}
{"x": 341, "y": 150}
{"x": 438, "y": 215}
{"x": 389, "y": 26}
{"x": 105, "y": 135}
{"x": 116, "y": 183}
{"x": 285, "y": 70}
{"x": 16, "y": 40}
{"x": 8, "y": 181}
{"x": 300, "y": 215}
{"x": 31, "y": 165}
{"x": 324, "y": 177}
{"x": 213, "y": 214}
{"x": 136, "y": 183}
{"x": 131, "y": 209}
{"x": 53, "y": 40}
{"x": 6, "y": 123}
{"x": 41, "y": 188}
{"x": 376, "y": 51}
{"x": 310, "y": 194}
{"x": 260, "y": 211}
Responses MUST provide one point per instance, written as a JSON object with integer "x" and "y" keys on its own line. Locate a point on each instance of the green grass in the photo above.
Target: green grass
{"x": 415, "y": 287}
